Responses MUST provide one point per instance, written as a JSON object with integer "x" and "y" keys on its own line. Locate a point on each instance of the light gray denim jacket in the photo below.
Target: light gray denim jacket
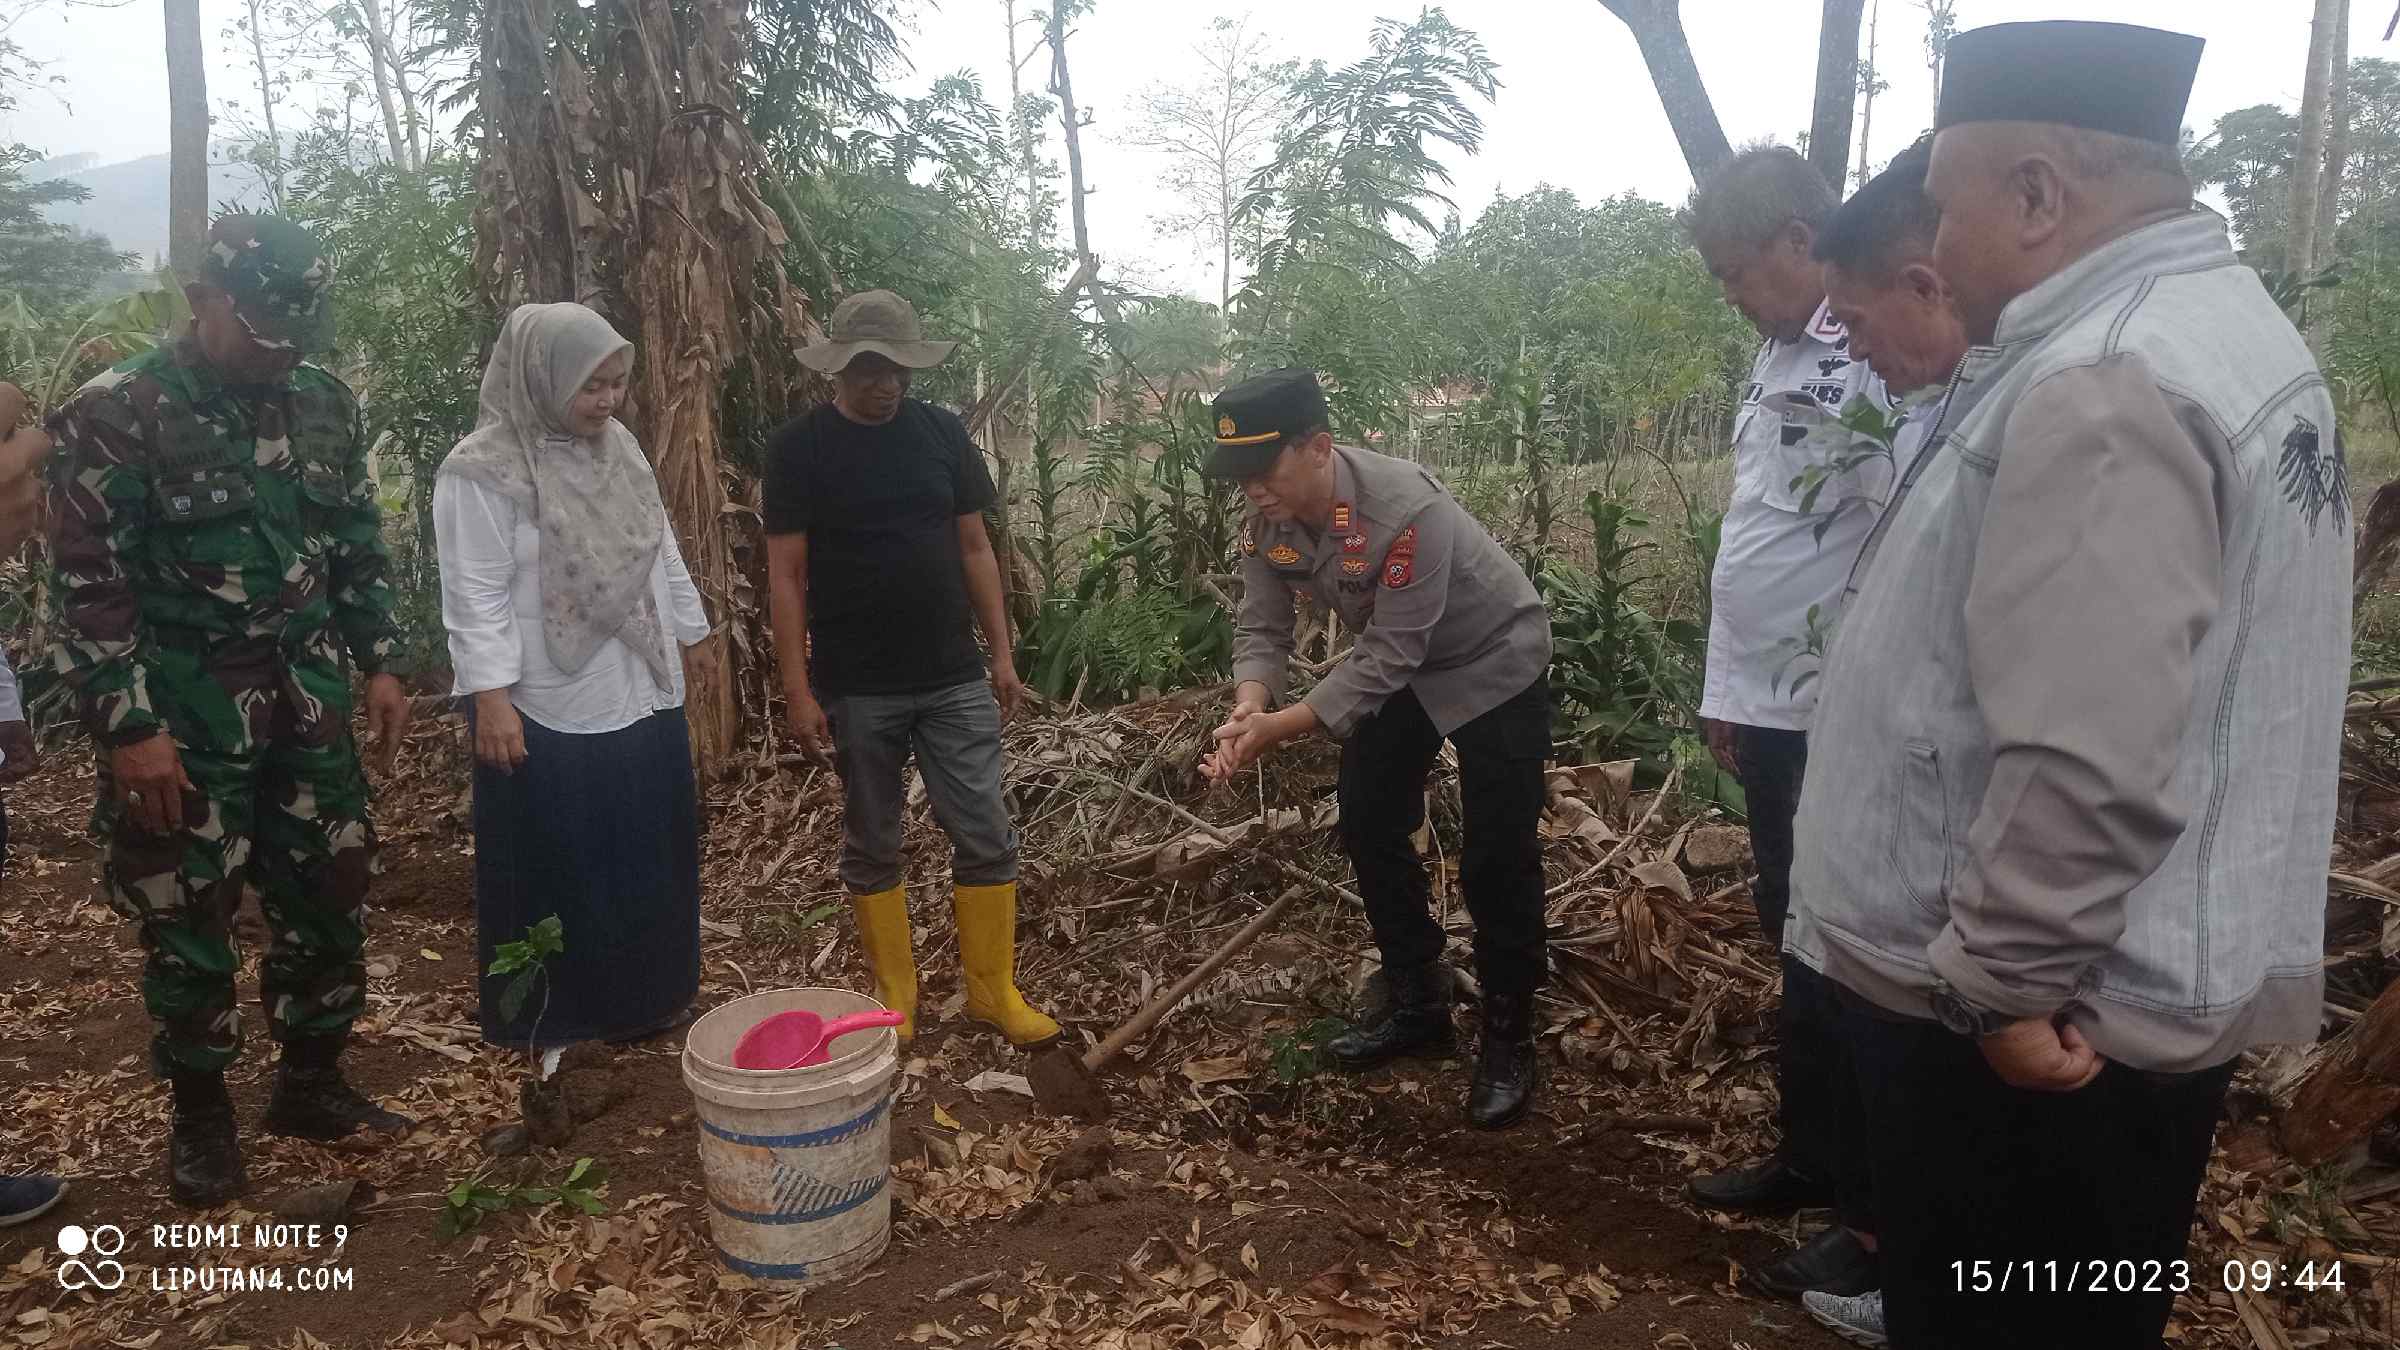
{"x": 2078, "y": 740}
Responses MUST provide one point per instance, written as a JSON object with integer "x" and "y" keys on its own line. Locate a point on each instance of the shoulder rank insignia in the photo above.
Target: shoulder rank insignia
{"x": 1341, "y": 517}
{"x": 1356, "y": 543}
{"x": 1283, "y": 555}
{"x": 1354, "y": 567}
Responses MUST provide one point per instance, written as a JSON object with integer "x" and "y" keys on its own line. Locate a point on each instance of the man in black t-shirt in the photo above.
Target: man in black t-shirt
{"x": 880, "y": 570}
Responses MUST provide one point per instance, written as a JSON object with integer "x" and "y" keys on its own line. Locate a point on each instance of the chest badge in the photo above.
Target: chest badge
{"x": 1356, "y": 543}
{"x": 1341, "y": 517}
{"x": 1354, "y": 567}
{"x": 1283, "y": 555}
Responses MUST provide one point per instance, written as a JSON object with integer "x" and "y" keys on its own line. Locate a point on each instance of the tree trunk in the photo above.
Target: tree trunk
{"x": 529, "y": 232}
{"x": 1837, "y": 91}
{"x": 1062, "y": 84}
{"x": 2352, "y": 1091}
{"x": 2301, "y": 239}
{"x": 266, "y": 106}
{"x": 2337, "y": 160}
{"x": 1869, "y": 84}
{"x": 379, "y": 63}
{"x": 187, "y": 138}
{"x": 1658, "y": 32}
{"x": 668, "y": 237}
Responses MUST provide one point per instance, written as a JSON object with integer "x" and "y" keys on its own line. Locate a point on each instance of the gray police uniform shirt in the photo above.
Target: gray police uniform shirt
{"x": 1439, "y": 607}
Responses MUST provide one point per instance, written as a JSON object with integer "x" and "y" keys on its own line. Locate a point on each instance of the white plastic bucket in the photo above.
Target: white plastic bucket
{"x": 798, "y": 1162}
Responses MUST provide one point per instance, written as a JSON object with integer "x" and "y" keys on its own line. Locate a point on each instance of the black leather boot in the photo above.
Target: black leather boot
{"x": 313, "y": 1101}
{"x": 1415, "y": 1022}
{"x": 1505, "y": 1072}
{"x": 204, "y": 1153}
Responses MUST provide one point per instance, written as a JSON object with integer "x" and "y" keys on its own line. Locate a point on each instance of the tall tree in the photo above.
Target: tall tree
{"x": 2300, "y": 242}
{"x": 268, "y": 156}
{"x": 187, "y": 138}
{"x": 1837, "y": 90}
{"x": 618, "y": 174}
{"x": 2249, "y": 154}
{"x": 51, "y": 267}
{"x": 1667, "y": 54}
{"x": 1941, "y": 25}
{"x": 1214, "y": 133}
{"x": 1870, "y": 83}
{"x": 1062, "y": 87}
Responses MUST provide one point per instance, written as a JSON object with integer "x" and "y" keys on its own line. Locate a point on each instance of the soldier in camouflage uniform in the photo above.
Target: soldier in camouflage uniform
{"x": 218, "y": 551}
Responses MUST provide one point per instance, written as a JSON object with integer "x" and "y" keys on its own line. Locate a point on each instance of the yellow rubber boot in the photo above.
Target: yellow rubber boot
{"x": 883, "y": 931}
{"x": 987, "y": 947}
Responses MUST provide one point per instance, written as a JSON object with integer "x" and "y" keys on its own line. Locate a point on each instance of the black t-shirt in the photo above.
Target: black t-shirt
{"x": 888, "y": 611}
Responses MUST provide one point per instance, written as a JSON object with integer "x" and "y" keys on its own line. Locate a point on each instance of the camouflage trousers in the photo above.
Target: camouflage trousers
{"x": 289, "y": 820}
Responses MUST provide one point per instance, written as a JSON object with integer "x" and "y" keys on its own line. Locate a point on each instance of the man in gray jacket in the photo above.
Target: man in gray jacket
{"x": 2070, "y": 793}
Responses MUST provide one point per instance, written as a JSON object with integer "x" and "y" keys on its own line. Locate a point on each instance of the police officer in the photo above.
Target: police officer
{"x": 220, "y": 570}
{"x": 1452, "y": 644}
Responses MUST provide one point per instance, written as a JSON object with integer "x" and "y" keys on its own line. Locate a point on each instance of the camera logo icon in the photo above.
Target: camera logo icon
{"x": 101, "y": 1272}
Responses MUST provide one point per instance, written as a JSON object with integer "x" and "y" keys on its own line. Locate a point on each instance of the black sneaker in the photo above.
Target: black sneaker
{"x": 1832, "y": 1262}
{"x": 24, "y": 1199}
{"x": 1768, "y": 1188}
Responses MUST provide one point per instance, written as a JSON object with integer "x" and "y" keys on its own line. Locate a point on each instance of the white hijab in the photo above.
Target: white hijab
{"x": 595, "y": 501}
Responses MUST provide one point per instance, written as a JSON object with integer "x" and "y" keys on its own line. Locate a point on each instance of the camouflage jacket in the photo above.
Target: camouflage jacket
{"x": 215, "y": 549}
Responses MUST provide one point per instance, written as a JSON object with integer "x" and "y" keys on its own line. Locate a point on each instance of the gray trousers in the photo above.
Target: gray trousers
{"x": 955, "y": 733}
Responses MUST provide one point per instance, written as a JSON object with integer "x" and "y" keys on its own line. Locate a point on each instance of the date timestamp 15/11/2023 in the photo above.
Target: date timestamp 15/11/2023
{"x": 2135, "y": 1277}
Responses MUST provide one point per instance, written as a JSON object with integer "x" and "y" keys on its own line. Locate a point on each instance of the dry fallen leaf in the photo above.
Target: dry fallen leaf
{"x": 944, "y": 1118}
{"x": 429, "y": 953}
{"x": 1225, "y": 1070}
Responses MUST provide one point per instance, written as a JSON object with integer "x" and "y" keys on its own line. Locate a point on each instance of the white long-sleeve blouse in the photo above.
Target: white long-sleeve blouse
{"x": 492, "y": 605}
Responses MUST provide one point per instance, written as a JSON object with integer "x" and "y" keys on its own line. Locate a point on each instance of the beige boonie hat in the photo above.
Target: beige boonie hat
{"x": 878, "y": 322}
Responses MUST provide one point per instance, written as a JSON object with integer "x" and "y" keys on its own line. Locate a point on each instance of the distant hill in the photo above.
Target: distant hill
{"x": 129, "y": 200}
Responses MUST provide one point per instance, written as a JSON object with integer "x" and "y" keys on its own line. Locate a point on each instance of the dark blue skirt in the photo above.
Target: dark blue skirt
{"x": 603, "y": 831}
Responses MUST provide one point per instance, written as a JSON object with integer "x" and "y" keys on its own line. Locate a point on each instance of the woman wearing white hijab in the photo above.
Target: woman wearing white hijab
{"x": 565, "y": 598}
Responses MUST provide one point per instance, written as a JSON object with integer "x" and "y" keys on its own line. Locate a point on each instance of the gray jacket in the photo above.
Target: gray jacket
{"x": 1438, "y": 605}
{"x": 2078, "y": 741}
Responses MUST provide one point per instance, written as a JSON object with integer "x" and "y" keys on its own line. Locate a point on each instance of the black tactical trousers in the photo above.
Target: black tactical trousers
{"x": 1500, "y": 755}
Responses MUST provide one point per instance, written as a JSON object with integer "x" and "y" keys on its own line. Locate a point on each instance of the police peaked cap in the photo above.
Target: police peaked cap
{"x": 2111, "y": 77}
{"x": 1255, "y": 418}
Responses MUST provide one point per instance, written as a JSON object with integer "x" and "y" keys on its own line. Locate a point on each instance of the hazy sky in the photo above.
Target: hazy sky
{"x": 1576, "y": 108}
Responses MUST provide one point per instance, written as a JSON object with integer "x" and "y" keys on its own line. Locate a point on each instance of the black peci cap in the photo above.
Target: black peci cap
{"x": 1255, "y": 418}
{"x": 2110, "y": 77}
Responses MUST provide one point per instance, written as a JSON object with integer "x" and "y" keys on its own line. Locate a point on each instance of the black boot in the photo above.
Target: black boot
{"x": 204, "y": 1154}
{"x": 313, "y": 1101}
{"x": 1415, "y": 1021}
{"x": 1768, "y": 1188}
{"x": 1505, "y": 1073}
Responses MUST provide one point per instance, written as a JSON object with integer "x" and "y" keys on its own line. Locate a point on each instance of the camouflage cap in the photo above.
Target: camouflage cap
{"x": 279, "y": 277}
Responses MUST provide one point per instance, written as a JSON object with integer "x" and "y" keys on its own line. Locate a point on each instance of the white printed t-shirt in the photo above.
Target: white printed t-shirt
{"x": 1772, "y": 564}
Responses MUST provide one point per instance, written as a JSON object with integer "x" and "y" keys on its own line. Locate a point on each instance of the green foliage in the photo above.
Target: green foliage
{"x": 1295, "y": 1055}
{"x": 467, "y": 1203}
{"x": 528, "y": 959}
{"x": 1624, "y": 680}
{"x": 49, "y": 269}
{"x": 1357, "y": 169}
{"x": 2363, "y": 353}
{"x": 2248, "y": 156}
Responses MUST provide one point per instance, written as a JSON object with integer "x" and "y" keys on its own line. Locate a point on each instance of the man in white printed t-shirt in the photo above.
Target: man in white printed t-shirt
{"x": 1807, "y": 488}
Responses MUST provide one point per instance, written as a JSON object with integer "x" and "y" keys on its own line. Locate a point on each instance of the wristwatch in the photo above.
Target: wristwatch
{"x": 1964, "y": 1018}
